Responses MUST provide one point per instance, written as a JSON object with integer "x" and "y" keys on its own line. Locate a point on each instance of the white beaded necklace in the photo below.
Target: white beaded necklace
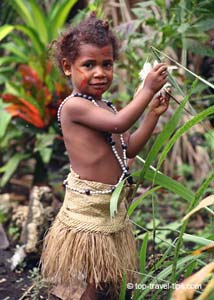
{"x": 122, "y": 161}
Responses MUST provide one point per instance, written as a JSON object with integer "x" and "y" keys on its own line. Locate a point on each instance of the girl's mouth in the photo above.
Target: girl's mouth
{"x": 99, "y": 85}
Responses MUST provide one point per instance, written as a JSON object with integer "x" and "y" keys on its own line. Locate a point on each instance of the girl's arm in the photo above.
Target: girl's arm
{"x": 138, "y": 139}
{"x": 87, "y": 114}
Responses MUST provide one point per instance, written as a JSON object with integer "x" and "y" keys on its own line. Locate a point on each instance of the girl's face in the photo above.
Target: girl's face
{"x": 92, "y": 71}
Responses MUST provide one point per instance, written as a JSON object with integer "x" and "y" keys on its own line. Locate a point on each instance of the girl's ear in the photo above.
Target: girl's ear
{"x": 66, "y": 65}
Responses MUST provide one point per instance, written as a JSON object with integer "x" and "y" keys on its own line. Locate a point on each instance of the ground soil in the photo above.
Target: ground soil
{"x": 18, "y": 284}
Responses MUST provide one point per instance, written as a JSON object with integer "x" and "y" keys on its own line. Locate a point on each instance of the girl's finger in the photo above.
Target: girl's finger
{"x": 158, "y": 66}
{"x": 162, "y": 69}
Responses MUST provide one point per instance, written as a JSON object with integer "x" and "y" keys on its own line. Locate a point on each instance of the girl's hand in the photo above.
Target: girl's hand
{"x": 160, "y": 103}
{"x": 156, "y": 78}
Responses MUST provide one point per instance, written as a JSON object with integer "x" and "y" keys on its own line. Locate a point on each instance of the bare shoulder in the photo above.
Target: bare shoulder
{"x": 75, "y": 105}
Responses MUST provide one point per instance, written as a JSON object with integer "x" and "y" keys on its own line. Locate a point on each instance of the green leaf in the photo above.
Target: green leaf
{"x": 5, "y": 30}
{"x": 203, "y": 187}
{"x": 40, "y": 23}
{"x": 123, "y": 288}
{"x": 192, "y": 73}
{"x": 161, "y": 277}
{"x": 143, "y": 251}
{"x": 43, "y": 143}
{"x": 197, "y": 239}
{"x": 202, "y": 204}
{"x": 189, "y": 124}
{"x": 183, "y": 27}
{"x": 33, "y": 35}
{"x": 10, "y": 167}
{"x": 15, "y": 50}
{"x": 204, "y": 25}
{"x": 166, "y": 182}
{"x": 164, "y": 135}
{"x": 23, "y": 11}
{"x": 114, "y": 199}
{"x": 59, "y": 16}
{"x": 138, "y": 201}
{"x": 10, "y": 59}
{"x": 4, "y": 121}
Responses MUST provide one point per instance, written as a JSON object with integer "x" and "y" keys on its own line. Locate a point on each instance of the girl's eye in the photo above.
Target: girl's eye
{"x": 88, "y": 65}
{"x": 108, "y": 65}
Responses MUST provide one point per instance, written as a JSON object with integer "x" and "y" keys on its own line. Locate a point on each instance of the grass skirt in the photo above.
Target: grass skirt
{"x": 84, "y": 243}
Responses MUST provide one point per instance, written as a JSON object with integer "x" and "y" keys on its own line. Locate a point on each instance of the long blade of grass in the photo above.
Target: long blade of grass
{"x": 163, "y": 275}
{"x": 202, "y": 204}
{"x": 189, "y": 124}
{"x": 192, "y": 73}
{"x": 170, "y": 77}
{"x": 197, "y": 239}
{"x": 123, "y": 288}
{"x": 156, "y": 177}
{"x": 164, "y": 135}
{"x": 203, "y": 187}
{"x": 143, "y": 251}
{"x": 138, "y": 201}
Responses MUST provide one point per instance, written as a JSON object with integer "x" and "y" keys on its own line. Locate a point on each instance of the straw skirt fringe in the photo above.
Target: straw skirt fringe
{"x": 85, "y": 244}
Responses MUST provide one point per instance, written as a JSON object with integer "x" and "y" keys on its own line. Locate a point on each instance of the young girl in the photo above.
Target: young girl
{"x": 85, "y": 248}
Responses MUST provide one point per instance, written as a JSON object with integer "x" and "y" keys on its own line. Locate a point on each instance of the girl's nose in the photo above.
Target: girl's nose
{"x": 99, "y": 72}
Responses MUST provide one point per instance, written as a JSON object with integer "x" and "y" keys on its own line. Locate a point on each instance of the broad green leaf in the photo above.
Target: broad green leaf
{"x": 40, "y": 23}
{"x": 43, "y": 146}
{"x": 10, "y": 59}
{"x": 114, "y": 199}
{"x": 10, "y": 167}
{"x": 33, "y": 35}
{"x": 45, "y": 154}
{"x": 189, "y": 124}
{"x": 11, "y": 88}
{"x": 23, "y": 11}
{"x": 60, "y": 15}
{"x": 205, "y": 25}
{"x": 166, "y": 182}
{"x": 5, "y": 30}
{"x": 203, "y": 203}
{"x": 15, "y": 50}
{"x": 183, "y": 27}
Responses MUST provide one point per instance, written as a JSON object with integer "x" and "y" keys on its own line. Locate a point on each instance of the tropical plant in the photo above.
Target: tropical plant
{"x": 33, "y": 92}
{"x": 170, "y": 261}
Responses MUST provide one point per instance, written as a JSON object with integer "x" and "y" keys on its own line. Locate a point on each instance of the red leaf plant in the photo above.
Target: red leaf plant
{"x": 38, "y": 90}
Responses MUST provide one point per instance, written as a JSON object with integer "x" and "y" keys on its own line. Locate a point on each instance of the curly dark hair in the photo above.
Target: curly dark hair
{"x": 89, "y": 31}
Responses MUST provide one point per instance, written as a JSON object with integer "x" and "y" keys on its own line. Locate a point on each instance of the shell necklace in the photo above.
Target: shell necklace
{"x": 122, "y": 161}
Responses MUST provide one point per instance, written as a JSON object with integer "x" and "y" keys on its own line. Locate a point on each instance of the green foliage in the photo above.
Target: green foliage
{"x": 175, "y": 30}
{"x": 33, "y": 87}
